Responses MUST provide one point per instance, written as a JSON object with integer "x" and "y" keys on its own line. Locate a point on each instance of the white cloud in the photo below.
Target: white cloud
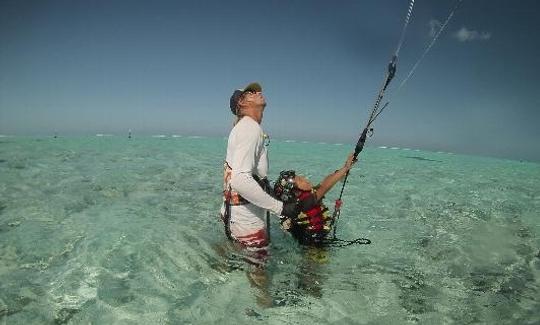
{"x": 466, "y": 35}
{"x": 434, "y": 26}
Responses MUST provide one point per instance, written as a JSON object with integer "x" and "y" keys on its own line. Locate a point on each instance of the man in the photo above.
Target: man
{"x": 244, "y": 182}
{"x": 246, "y": 164}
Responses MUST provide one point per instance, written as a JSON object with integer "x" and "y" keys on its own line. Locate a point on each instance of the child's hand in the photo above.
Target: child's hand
{"x": 350, "y": 162}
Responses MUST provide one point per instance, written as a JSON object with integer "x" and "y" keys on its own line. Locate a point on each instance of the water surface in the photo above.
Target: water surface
{"x": 114, "y": 230}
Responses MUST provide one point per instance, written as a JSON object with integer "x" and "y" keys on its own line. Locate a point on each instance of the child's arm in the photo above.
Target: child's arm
{"x": 331, "y": 180}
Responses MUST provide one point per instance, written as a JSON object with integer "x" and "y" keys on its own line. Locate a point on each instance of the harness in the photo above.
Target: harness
{"x": 233, "y": 198}
{"x": 312, "y": 226}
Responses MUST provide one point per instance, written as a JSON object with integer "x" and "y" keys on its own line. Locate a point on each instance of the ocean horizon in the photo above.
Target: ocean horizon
{"x": 351, "y": 144}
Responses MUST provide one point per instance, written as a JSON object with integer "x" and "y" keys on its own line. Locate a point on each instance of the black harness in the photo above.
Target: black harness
{"x": 265, "y": 185}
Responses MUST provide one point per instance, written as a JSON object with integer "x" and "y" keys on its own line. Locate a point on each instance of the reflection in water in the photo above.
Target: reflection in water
{"x": 235, "y": 257}
{"x": 310, "y": 275}
{"x": 304, "y": 279}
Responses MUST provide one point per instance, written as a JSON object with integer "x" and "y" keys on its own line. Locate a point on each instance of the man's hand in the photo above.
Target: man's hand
{"x": 292, "y": 209}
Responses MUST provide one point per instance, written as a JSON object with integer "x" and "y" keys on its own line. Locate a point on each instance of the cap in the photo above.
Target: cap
{"x": 237, "y": 94}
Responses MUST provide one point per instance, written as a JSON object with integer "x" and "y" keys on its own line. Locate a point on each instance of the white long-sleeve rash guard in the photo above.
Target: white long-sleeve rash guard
{"x": 246, "y": 155}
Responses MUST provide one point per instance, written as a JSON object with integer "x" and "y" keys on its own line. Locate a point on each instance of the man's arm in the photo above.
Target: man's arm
{"x": 243, "y": 165}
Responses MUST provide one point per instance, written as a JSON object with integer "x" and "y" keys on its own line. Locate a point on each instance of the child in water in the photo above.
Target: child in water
{"x": 313, "y": 222}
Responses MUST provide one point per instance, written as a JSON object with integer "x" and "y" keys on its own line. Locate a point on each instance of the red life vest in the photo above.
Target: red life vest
{"x": 311, "y": 226}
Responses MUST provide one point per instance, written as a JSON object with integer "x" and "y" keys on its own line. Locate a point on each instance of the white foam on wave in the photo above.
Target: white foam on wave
{"x": 159, "y": 136}
{"x": 394, "y": 148}
{"x": 103, "y": 135}
{"x": 176, "y": 136}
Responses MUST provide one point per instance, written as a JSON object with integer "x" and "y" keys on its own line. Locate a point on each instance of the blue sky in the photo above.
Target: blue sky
{"x": 86, "y": 67}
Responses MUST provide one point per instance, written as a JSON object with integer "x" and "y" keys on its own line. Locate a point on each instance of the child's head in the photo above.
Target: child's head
{"x": 288, "y": 185}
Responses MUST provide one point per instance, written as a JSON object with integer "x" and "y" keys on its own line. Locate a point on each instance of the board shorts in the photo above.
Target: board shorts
{"x": 248, "y": 229}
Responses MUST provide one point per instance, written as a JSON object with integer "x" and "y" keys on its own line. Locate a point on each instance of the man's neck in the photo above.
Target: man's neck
{"x": 253, "y": 115}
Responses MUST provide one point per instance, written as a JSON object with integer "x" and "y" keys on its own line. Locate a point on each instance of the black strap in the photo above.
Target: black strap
{"x": 227, "y": 217}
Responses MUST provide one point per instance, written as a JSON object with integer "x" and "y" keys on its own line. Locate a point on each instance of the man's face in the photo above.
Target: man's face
{"x": 256, "y": 102}
{"x": 255, "y": 98}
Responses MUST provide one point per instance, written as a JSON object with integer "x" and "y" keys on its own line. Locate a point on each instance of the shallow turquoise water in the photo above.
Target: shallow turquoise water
{"x": 111, "y": 230}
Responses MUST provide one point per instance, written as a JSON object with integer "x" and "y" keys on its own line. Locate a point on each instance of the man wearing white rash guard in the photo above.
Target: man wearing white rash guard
{"x": 245, "y": 201}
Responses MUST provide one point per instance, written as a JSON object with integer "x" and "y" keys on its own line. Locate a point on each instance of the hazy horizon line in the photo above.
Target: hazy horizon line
{"x": 280, "y": 139}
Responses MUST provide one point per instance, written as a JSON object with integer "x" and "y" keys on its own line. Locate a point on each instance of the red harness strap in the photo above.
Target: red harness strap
{"x": 315, "y": 221}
